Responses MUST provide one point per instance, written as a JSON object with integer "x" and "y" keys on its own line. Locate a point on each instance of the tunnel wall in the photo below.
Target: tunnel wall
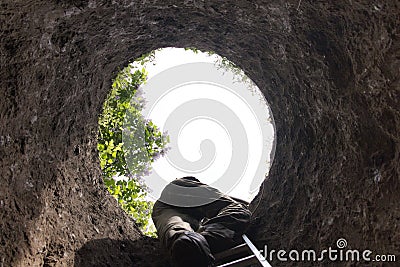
{"x": 329, "y": 70}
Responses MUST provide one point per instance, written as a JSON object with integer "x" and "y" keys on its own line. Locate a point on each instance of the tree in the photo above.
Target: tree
{"x": 122, "y": 171}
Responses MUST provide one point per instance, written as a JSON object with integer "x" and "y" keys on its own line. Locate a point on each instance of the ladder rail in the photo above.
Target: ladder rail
{"x": 256, "y": 252}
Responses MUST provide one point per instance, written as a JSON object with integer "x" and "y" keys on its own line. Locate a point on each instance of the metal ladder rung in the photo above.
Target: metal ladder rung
{"x": 231, "y": 252}
{"x": 234, "y": 253}
{"x": 243, "y": 262}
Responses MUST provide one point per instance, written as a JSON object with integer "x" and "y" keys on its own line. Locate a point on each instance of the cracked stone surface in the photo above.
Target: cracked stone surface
{"x": 329, "y": 70}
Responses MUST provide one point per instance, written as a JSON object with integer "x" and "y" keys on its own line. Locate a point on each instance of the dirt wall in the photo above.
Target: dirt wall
{"x": 329, "y": 69}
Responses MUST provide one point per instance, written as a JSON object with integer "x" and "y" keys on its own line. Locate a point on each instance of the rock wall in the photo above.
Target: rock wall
{"x": 329, "y": 69}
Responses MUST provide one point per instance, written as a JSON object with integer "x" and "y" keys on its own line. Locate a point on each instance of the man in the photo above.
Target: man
{"x": 195, "y": 221}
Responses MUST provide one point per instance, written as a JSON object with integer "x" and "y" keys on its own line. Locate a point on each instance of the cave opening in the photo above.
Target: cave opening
{"x": 176, "y": 112}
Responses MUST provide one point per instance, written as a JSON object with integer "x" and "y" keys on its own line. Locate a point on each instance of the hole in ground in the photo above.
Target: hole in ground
{"x": 176, "y": 112}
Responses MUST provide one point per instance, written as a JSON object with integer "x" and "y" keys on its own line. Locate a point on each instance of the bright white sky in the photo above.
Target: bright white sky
{"x": 245, "y": 103}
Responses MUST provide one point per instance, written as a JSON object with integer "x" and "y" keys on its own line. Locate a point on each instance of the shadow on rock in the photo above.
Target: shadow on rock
{"x": 108, "y": 252}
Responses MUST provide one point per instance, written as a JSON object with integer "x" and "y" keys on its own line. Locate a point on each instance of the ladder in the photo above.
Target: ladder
{"x": 243, "y": 255}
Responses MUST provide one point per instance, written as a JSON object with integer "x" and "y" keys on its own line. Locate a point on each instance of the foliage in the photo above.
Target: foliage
{"x": 193, "y": 49}
{"x": 238, "y": 73}
{"x": 228, "y": 66}
{"x": 122, "y": 178}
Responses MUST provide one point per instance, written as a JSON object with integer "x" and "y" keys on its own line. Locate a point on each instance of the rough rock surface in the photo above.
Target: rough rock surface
{"x": 329, "y": 69}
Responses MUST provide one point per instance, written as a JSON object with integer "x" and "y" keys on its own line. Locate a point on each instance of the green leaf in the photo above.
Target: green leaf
{"x": 130, "y": 194}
